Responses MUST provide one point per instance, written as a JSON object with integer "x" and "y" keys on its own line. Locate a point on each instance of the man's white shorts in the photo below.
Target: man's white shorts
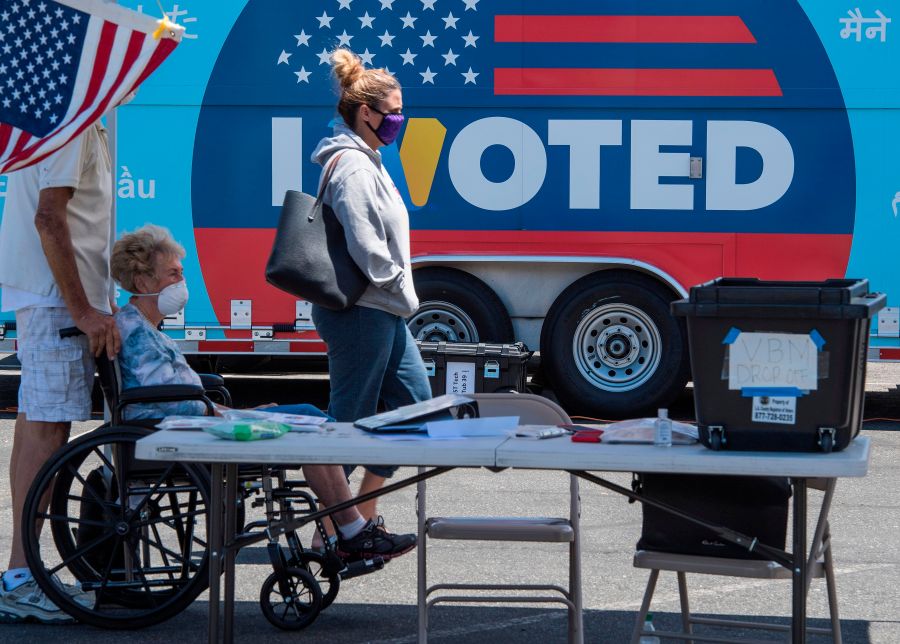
{"x": 57, "y": 373}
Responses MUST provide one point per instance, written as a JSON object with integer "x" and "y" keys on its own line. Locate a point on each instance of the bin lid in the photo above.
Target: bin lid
{"x": 755, "y": 298}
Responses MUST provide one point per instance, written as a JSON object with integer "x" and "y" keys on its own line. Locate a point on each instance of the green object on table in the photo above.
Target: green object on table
{"x": 248, "y": 430}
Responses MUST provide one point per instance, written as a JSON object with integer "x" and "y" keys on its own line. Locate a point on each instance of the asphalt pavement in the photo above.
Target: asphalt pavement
{"x": 381, "y": 607}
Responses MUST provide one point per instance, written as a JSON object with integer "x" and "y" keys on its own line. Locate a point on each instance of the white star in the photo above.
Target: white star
{"x": 428, "y": 4}
{"x": 324, "y": 20}
{"x": 450, "y": 21}
{"x": 344, "y": 4}
{"x": 366, "y": 57}
{"x": 427, "y": 76}
{"x": 408, "y": 57}
{"x": 344, "y": 39}
{"x": 470, "y": 40}
{"x": 366, "y": 20}
{"x": 386, "y": 4}
{"x": 409, "y": 21}
{"x": 387, "y": 39}
{"x": 324, "y": 57}
{"x": 303, "y": 75}
{"x": 470, "y": 4}
{"x": 283, "y": 58}
{"x": 428, "y": 39}
{"x": 387, "y": 71}
{"x": 470, "y": 76}
{"x": 302, "y": 38}
{"x": 450, "y": 58}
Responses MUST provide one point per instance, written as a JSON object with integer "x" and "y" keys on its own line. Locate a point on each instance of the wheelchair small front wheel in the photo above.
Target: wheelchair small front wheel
{"x": 291, "y": 602}
{"x": 325, "y": 573}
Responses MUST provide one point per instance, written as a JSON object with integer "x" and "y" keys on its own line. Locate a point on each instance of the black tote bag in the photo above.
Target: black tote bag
{"x": 309, "y": 256}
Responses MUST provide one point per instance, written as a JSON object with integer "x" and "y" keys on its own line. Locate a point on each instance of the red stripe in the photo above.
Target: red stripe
{"x": 635, "y": 82}
{"x": 101, "y": 61}
{"x": 889, "y": 354}
{"x": 622, "y": 29}
{"x": 165, "y": 47}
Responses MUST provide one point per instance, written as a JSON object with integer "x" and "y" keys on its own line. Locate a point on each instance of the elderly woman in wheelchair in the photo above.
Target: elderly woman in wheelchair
{"x": 133, "y": 532}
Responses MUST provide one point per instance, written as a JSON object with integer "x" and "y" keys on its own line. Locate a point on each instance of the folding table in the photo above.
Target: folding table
{"x": 342, "y": 443}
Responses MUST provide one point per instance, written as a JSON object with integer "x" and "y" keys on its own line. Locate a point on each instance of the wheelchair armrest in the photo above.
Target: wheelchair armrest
{"x": 164, "y": 393}
{"x": 161, "y": 393}
{"x": 211, "y": 380}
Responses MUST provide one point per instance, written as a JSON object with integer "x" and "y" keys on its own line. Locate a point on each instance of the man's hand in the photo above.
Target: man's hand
{"x": 101, "y": 331}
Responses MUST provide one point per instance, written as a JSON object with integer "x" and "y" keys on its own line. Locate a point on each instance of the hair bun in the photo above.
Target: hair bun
{"x": 348, "y": 67}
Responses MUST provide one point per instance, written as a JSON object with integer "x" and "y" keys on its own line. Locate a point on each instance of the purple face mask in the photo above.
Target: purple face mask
{"x": 390, "y": 126}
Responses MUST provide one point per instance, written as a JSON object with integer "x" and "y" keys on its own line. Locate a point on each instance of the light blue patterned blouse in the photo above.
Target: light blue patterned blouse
{"x": 149, "y": 357}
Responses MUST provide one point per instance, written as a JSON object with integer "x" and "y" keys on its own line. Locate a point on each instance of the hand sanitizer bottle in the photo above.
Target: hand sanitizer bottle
{"x": 663, "y": 429}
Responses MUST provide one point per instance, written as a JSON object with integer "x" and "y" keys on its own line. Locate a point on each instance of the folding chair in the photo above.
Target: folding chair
{"x": 531, "y": 410}
{"x": 820, "y": 564}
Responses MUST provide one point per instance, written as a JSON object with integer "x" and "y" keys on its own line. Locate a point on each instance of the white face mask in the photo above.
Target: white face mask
{"x": 172, "y": 298}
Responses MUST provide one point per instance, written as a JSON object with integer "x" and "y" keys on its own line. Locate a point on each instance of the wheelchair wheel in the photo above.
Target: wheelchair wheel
{"x": 292, "y": 604}
{"x": 325, "y": 572}
{"x": 131, "y": 532}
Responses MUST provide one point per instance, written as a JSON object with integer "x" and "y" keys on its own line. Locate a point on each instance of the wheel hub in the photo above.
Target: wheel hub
{"x": 442, "y": 322}
{"x": 122, "y": 528}
{"x": 617, "y": 347}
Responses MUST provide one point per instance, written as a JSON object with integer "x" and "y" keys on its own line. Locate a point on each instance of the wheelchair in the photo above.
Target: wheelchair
{"x": 134, "y": 533}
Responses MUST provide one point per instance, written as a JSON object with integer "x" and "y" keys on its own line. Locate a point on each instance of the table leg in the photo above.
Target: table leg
{"x": 229, "y": 551}
{"x": 798, "y": 613}
{"x": 215, "y": 549}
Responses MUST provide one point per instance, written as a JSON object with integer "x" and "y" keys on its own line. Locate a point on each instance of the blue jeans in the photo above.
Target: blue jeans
{"x": 371, "y": 356}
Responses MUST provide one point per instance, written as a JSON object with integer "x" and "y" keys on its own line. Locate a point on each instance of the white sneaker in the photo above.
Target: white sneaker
{"x": 29, "y": 603}
{"x": 83, "y": 597}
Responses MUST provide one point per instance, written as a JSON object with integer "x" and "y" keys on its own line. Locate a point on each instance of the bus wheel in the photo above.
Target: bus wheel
{"x": 611, "y": 348}
{"x": 454, "y": 306}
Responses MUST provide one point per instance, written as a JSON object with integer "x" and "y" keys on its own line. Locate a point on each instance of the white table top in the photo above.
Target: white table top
{"x": 346, "y": 444}
{"x": 341, "y": 444}
{"x": 558, "y": 453}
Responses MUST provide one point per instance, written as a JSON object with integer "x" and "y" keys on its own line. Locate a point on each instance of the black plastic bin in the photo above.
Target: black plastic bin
{"x": 779, "y": 366}
{"x": 474, "y": 367}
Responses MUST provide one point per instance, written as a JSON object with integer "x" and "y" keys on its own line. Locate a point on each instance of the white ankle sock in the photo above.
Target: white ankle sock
{"x": 352, "y": 529}
{"x": 15, "y": 577}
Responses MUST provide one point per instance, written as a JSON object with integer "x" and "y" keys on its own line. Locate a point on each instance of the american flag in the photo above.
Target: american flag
{"x": 65, "y": 63}
{"x": 489, "y": 47}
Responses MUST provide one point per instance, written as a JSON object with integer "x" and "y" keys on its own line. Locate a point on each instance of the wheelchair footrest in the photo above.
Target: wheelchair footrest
{"x": 362, "y": 567}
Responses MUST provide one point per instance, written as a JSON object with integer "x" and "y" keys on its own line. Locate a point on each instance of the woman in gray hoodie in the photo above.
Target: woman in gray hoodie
{"x": 371, "y": 354}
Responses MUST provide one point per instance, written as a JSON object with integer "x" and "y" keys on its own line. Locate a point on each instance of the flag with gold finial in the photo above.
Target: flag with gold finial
{"x": 64, "y": 64}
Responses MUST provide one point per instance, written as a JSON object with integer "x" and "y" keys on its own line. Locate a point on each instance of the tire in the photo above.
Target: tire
{"x": 611, "y": 349}
{"x": 160, "y": 525}
{"x": 455, "y": 306}
{"x": 293, "y": 605}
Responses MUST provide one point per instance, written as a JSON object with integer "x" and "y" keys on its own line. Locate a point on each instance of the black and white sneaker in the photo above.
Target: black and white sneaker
{"x": 374, "y": 541}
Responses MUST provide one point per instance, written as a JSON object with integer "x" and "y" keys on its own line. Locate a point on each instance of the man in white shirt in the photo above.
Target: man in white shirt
{"x": 55, "y": 240}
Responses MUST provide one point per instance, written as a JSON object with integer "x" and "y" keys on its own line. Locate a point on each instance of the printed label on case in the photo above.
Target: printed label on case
{"x": 781, "y": 410}
{"x": 460, "y": 378}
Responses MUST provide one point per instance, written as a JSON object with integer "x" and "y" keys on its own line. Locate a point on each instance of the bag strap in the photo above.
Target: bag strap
{"x": 327, "y": 177}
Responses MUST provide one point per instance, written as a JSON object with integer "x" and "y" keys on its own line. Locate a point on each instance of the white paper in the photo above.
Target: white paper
{"x": 772, "y": 360}
{"x": 472, "y": 427}
{"x": 781, "y": 410}
{"x": 460, "y": 378}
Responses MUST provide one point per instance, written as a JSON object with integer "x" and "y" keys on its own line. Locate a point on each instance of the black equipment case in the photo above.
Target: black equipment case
{"x": 811, "y": 334}
{"x": 754, "y": 506}
{"x": 467, "y": 368}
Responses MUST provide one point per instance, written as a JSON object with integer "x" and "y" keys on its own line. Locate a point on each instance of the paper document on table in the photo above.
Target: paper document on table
{"x": 188, "y": 422}
{"x": 471, "y": 427}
